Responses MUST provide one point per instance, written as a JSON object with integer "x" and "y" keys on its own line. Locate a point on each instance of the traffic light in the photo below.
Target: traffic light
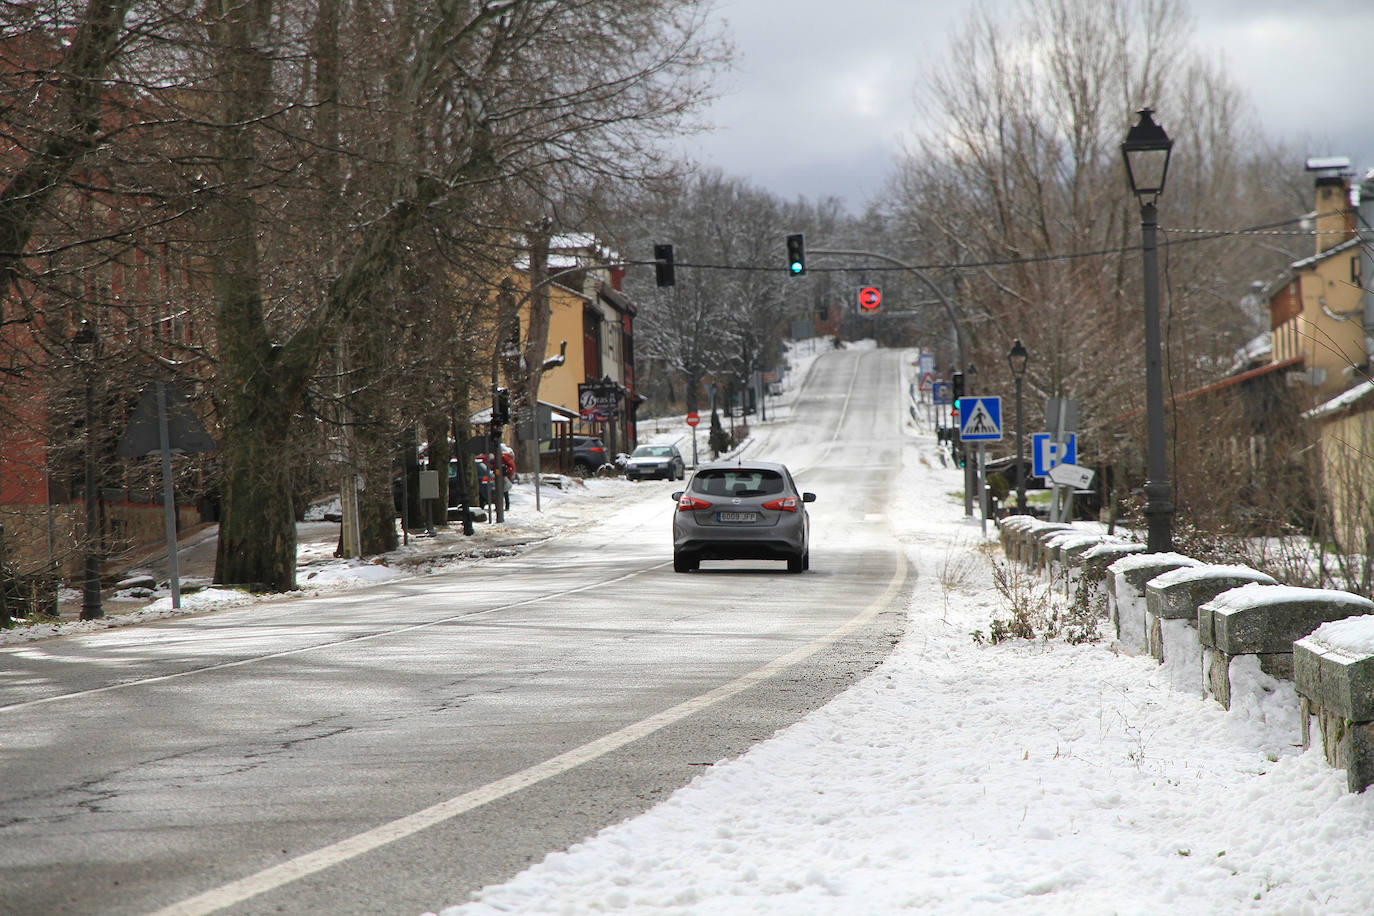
{"x": 663, "y": 265}
{"x": 500, "y": 408}
{"x": 796, "y": 254}
{"x": 956, "y": 387}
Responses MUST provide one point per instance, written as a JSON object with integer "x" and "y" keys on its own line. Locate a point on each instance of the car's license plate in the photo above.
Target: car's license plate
{"x": 738, "y": 516}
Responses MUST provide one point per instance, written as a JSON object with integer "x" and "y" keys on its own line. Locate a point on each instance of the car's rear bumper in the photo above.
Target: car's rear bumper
{"x": 737, "y": 549}
{"x": 724, "y": 542}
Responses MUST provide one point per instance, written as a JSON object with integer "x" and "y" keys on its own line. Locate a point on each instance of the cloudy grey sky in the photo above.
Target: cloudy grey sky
{"x": 857, "y": 65}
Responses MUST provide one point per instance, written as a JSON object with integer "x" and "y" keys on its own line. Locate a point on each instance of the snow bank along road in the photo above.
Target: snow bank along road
{"x": 395, "y": 748}
{"x": 1025, "y": 778}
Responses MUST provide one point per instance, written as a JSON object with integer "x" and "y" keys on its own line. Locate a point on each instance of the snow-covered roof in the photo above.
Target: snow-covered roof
{"x": 573, "y": 240}
{"x": 1324, "y": 255}
{"x": 1343, "y": 401}
{"x": 570, "y": 249}
{"x": 1257, "y": 349}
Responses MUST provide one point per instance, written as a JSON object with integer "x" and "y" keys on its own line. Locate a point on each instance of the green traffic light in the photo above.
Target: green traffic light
{"x": 796, "y": 254}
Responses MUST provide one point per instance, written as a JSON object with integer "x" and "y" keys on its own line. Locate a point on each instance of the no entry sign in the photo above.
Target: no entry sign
{"x": 870, "y": 300}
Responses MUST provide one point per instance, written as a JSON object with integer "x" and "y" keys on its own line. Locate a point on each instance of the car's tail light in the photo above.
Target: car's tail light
{"x": 783, "y": 504}
{"x": 687, "y": 503}
{"x": 595, "y": 448}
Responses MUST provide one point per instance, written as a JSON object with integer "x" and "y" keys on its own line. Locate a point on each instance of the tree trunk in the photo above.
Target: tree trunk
{"x": 257, "y": 535}
{"x": 376, "y": 507}
{"x": 257, "y": 532}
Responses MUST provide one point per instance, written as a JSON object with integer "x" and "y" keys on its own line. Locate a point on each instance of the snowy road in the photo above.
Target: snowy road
{"x": 390, "y": 749}
{"x": 1025, "y": 778}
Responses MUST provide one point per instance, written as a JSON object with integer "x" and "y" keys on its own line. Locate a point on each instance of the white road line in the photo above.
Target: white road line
{"x": 279, "y": 875}
{"x": 849, "y": 393}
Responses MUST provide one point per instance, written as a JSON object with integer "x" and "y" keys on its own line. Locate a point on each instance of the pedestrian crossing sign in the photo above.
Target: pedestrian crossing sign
{"x": 981, "y": 419}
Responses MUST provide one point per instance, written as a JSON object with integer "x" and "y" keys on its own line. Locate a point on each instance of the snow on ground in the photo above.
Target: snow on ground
{"x": 960, "y": 777}
{"x": 1022, "y": 777}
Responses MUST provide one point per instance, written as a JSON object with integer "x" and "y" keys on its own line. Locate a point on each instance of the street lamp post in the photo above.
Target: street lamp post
{"x": 1017, "y": 359}
{"x": 1146, "y": 151}
{"x": 86, "y": 342}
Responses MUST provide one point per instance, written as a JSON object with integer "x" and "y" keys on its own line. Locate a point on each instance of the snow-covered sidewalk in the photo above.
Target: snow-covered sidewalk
{"x": 966, "y": 777}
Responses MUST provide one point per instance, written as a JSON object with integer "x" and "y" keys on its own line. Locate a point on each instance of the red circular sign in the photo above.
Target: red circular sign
{"x": 693, "y": 419}
{"x": 870, "y": 297}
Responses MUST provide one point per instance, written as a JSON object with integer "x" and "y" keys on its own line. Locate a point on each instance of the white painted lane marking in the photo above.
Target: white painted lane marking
{"x": 279, "y": 875}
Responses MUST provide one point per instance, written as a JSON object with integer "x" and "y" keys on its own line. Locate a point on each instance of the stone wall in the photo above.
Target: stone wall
{"x": 1210, "y": 624}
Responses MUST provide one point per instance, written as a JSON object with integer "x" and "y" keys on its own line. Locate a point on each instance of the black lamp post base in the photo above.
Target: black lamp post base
{"x": 1159, "y": 516}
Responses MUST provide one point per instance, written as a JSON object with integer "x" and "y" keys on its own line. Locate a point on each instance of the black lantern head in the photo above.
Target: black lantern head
{"x": 1146, "y": 151}
{"x": 1017, "y": 359}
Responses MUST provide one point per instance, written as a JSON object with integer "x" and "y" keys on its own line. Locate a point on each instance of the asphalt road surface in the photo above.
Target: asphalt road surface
{"x": 397, "y": 748}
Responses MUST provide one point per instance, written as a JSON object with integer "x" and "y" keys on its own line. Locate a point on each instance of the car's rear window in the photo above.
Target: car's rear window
{"x": 652, "y": 451}
{"x": 737, "y": 482}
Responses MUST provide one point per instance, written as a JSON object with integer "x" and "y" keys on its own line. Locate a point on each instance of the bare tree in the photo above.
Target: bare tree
{"x": 729, "y": 310}
{"x": 72, "y": 99}
{"x": 480, "y": 96}
{"x": 1018, "y": 190}
{"x": 322, "y": 169}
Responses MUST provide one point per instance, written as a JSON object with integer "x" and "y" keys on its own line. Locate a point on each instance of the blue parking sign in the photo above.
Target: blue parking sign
{"x": 1046, "y": 453}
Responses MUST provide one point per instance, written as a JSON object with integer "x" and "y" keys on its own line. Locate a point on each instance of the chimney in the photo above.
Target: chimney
{"x": 1334, "y": 216}
{"x": 1366, "y": 277}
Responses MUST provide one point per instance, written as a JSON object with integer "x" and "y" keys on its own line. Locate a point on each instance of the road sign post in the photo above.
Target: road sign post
{"x": 693, "y": 419}
{"x": 981, "y": 422}
{"x": 1061, "y": 416}
{"x": 983, "y": 485}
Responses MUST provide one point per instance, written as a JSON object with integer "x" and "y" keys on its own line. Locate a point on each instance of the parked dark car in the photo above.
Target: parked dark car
{"x": 588, "y": 453}
{"x": 655, "y": 461}
{"x": 749, "y": 510}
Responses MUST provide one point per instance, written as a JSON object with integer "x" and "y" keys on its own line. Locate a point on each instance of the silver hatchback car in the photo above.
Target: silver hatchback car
{"x": 749, "y": 510}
